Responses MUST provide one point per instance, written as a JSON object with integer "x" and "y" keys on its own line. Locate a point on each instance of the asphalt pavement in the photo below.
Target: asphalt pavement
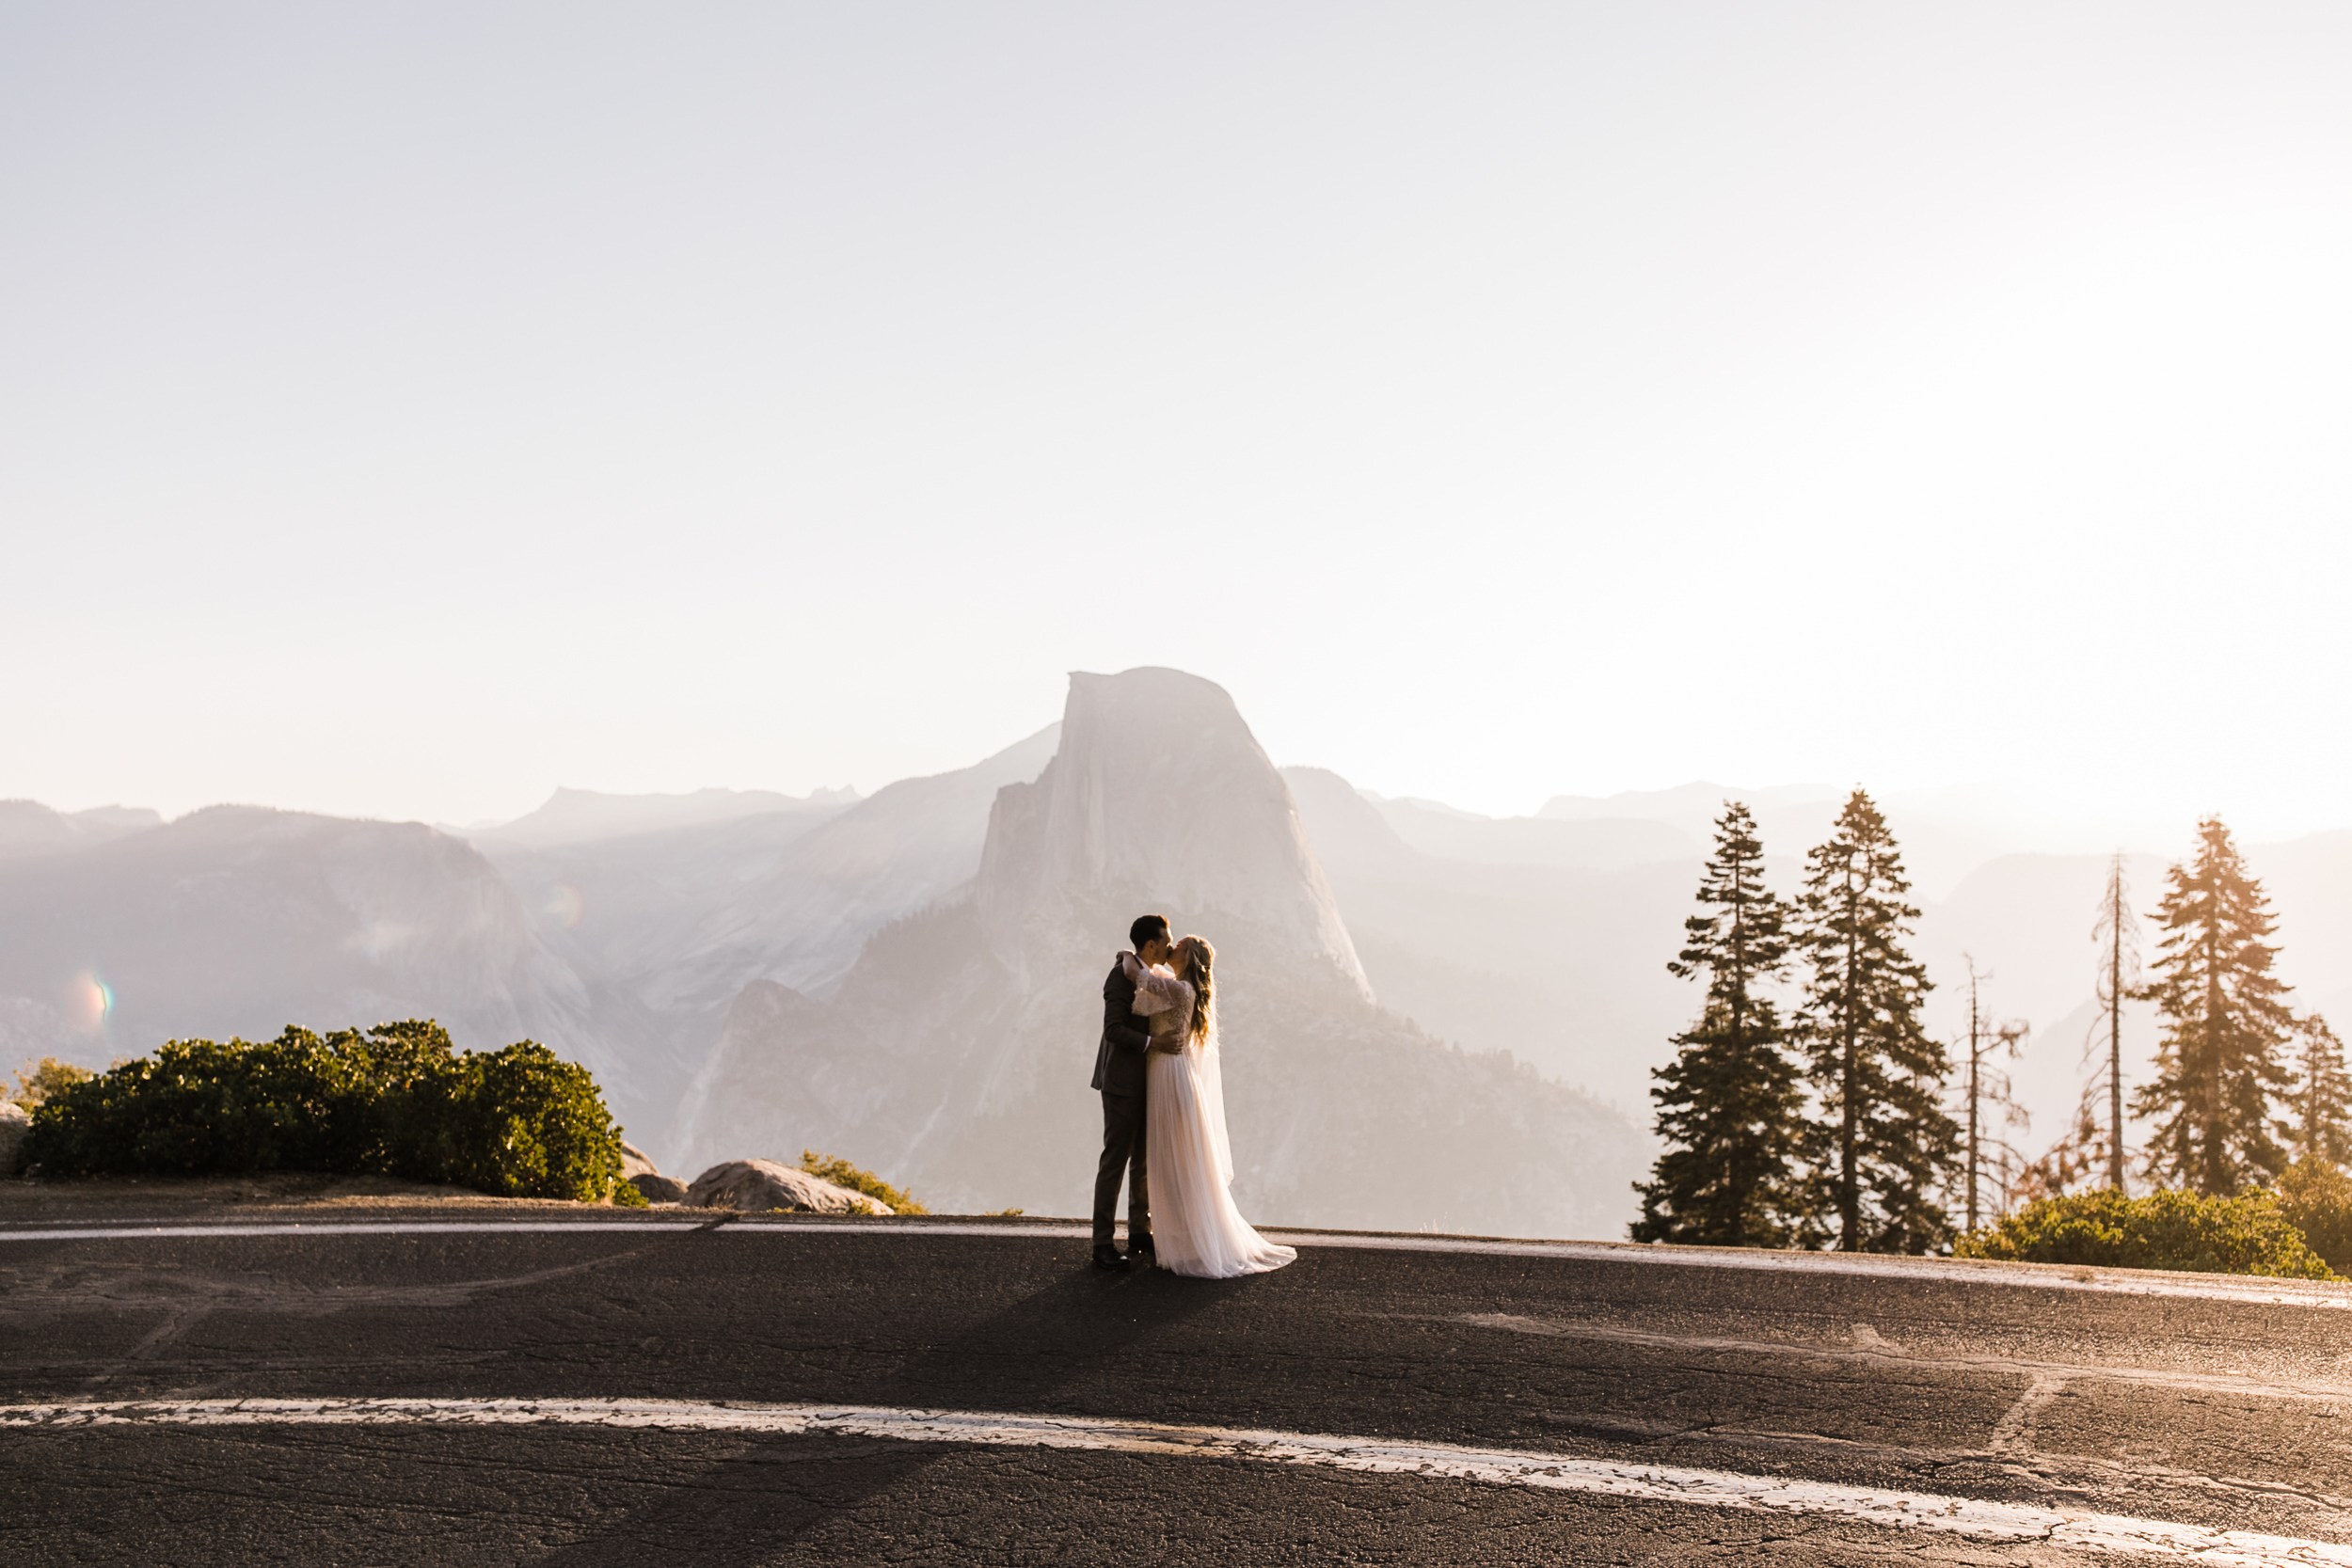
{"x": 781, "y": 1385}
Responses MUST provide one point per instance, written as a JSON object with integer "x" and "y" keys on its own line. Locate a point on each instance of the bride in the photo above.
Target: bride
{"x": 1196, "y": 1228}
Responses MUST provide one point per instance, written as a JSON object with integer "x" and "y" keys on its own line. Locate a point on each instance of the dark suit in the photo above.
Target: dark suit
{"x": 1119, "y": 1072}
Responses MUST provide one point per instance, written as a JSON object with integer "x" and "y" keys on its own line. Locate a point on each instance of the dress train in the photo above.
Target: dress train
{"x": 1196, "y": 1228}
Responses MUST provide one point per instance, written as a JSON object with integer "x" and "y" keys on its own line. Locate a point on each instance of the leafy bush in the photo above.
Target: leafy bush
{"x": 521, "y": 1122}
{"x": 44, "y": 1078}
{"x": 832, "y": 1169}
{"x": 396, "y": 1100}
{"x": 197, "y": 1106}
{"x": 2316, "y": 1199}
{"x": 2164, "y": 1230}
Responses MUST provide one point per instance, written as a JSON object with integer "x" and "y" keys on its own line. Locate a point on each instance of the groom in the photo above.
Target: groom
{"x": 1118, "y": 1073}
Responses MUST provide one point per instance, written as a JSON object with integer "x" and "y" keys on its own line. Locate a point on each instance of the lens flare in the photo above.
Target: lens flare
{"x": 90, "y": 1000}
{"x": 567, "y": 903}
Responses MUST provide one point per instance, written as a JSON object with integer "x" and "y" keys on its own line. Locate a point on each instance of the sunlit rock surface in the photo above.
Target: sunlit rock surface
{"x": 1159, "y": 796}
{"x": 755, "y": 1186}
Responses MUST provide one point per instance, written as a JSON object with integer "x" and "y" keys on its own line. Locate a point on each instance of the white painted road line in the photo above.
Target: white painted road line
{"x": 1880, "y": 1353}
{"x": 348, "y": 1228}
{"x": 1946, "y": 1271}
{"x": 2333, "y": 1294}
{"x": 1988, "y": 1521}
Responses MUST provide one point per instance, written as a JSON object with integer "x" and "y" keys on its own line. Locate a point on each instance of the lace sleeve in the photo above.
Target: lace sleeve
{"x": 1156, "y": 992}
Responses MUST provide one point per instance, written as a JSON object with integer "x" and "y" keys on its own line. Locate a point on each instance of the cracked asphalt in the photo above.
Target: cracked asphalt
{"x": 2218, "y": 1413}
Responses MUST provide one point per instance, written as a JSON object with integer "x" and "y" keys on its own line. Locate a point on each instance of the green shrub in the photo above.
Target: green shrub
{"x": 832, "y": 1169}
{"x": 396, "y": 1100}
{"x": 519, "y": 1122}
{"x": 41, "y": 1079}
{"x": 2163, "y": 1231}
{"x": 198, "y": 1107}
{"x": 2316, "y": 1199}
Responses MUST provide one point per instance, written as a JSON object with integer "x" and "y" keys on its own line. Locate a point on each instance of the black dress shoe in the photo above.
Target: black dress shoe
{"x": 1108, "y": 1260}
{"x": 1143, "y": 1252}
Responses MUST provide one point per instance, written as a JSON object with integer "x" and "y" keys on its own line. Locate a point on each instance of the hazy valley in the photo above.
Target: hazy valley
{"x": 910, "y": 977}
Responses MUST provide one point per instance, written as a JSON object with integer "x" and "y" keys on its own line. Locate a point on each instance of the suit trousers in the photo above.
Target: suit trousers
{"x": 1122, "y": 1156}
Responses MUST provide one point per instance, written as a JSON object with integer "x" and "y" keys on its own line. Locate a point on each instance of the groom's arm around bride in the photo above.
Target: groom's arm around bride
{"x": 1120, "y": 1076}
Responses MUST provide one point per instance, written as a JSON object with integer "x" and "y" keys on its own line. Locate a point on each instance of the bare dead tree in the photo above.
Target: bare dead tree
{"x": 2080, "y": 1155}
{"x": 1989, "y": 1089}
{"x": 2093, "y": 1149}
{"x": 2118, "y": 933}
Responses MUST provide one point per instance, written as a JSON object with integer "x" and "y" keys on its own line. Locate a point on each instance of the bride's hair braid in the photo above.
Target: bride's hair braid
{"x": 1203, "y": 956}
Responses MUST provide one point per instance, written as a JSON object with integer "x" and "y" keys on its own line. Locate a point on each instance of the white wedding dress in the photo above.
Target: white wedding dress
{"x": 1195, "y": 1227}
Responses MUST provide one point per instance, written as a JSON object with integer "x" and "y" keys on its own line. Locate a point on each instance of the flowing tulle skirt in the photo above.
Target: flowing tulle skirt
{"x": 1195, "y": 1226}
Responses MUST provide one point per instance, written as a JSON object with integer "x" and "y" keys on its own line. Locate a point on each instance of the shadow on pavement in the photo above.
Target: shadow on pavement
{"x": 743, "y": 1510}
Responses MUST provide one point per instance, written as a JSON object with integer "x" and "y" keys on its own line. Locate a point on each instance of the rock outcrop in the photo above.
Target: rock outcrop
{"x": 15, "y": 1121}
{"x": 657, "y": 1188}
{"x": 637, "y": 1169}
{"x": 758, "y": 1185}
{"x": 1159, "y": 797}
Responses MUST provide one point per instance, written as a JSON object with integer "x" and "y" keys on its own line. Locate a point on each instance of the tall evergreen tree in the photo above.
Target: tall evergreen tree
{"x": 1885, "y": 1146}
{"x": 2226, "y": 1025}
{"x": 1727, "y": 1103}
{"x": 2323, "y": 1102}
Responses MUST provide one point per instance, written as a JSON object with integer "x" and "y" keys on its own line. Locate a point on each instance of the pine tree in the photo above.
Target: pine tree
{"x": 2322, "y": 1104}
{"x": 1727, "y": 1103}
{"x": 1886, "y": 1145}
{"x": 2226, "y": 1025}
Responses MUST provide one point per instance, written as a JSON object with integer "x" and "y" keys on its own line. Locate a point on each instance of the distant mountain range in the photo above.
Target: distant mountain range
{"x": 237, "y": 920}
{"x": 27, "y": 827}
{"x": 1433, "y": 1018}
{"x": 584, "y": 817}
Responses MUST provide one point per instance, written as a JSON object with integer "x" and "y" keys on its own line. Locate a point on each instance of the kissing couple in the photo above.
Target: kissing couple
{"x": 1163, "y": 1116}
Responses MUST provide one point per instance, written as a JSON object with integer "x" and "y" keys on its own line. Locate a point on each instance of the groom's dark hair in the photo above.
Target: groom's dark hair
{"x": 1145, "y": 929}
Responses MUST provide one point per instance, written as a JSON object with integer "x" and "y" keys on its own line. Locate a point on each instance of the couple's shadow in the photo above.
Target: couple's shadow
{"x": 1079, "y": 1346}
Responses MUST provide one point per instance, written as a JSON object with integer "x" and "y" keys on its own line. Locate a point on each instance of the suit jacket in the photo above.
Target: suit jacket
{"x": 1119, "y": 1061}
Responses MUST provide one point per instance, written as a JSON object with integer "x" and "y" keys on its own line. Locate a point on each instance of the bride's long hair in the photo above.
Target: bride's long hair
{"x": 1203, "y": 987}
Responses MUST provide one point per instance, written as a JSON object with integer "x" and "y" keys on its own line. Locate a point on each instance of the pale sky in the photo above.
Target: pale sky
{"x": 407, "y": 409}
